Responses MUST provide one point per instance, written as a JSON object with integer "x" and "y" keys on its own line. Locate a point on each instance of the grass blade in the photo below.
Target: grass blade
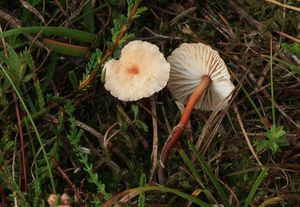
{"x": 65, "y": 48}
{"x": 34, "y": 128}
{"x": 58, "y": 31}
{"x": 192, "y": 168}
{"x": 88, "y": 19}
{"x": 136, "y": 191}
{"x": 255, "y": 186}
{"x": 272, "y": 82}
{"x": 210, "y": 174}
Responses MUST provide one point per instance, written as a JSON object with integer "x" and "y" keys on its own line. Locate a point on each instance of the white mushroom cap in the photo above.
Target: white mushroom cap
{"x": 189, "y": 63}
{"x": 141, "y": 71}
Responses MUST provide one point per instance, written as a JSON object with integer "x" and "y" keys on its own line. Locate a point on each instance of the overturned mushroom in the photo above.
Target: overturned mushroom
{"x": 198, "y": 78}
{"x": 141, "y": 71}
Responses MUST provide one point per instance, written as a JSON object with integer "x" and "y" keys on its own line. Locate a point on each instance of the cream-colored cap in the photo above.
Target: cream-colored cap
{"x": 189, "y": 63}
{"x": 141, "y": 71}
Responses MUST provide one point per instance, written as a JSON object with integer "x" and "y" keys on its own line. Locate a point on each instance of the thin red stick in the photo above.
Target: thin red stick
{"x": 20, "y": 131}
{"x": 4, "y": 198}
{"x": 177, "y": 131}
{"x": 65, "y": 176}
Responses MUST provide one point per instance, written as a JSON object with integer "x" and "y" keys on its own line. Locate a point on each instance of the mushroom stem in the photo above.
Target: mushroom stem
{"x": 177, "y": 131}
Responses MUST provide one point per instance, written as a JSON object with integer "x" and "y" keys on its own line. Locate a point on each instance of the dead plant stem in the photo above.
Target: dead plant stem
{"x": 66, "y": 178}
{"x": 20, "y": 131}
{"x": 155, "y": 137}
{"x": 284, "y": 5}
{"x": 238, "y": 116}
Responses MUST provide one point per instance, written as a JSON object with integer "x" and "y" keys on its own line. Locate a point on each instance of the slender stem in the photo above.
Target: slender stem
{"x": 67, "y": 179}
{"x": 33, "y": 126}
{"x": 22, "y": 140}
{"x": 115, "y": 44}
{"x": 155, "y": 137}
{"x": 177, "y": 131}
{"x": 272, "y": 83}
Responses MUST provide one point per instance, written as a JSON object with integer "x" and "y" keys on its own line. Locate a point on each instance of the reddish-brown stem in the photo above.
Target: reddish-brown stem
{"x": 66, "y": 178}
{"x": 20, "y": 131}
{"x": 116, "y": 43}
{"x": 177, "y": 131}
{"x": 4, "y": 198}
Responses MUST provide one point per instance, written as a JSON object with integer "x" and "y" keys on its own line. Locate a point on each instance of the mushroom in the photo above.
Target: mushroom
{"x": 141, "y": 71}
{"x": 64, "y": 200}
{"x": 198, "y": 78}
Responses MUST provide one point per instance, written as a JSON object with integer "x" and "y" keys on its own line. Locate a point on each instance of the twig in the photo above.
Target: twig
{"x": 66, "y": 178}
{"x": 16, "y": 23}
{"x": 280, "y": 109}
{"x": 13, "y": 164}
{"x": 20, "y": 131}
{"x": 155, "y": 137}
{"x": 257, "y": 24}
{"x": 63, "y": 11}
{"x": 156, "y": 35}
{"x": 92, "y": 131}
{"x": 33, "y": 10}
{"x": 4, "y": 198}
{"x": 181, "y": 15}
{"x": 284, "y": 5}
{"x": 236, "y": 110}
{"x": 267, "y": 95}
{"x": 209, "y": 131}
{"x": 288, "y": 36}
{"x": 86, "y": 83}
{"x": 159, "y": 122}
{"x": 106, "y": 138}
{"x": 75, "y": 13}
{"x": 135, "y": 131}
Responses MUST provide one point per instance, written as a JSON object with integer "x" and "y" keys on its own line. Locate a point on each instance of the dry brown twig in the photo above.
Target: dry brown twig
{"x": 155, "y": 137}
{"x": 284, "y": 5}
{"x": 16, "y": 23}
{"x": 236, "y": 110}
{"x": 66, "y": 178}
{"x": 33, "y": 10}
{"x": 75, "y": 13}
{"x": 87, "y": 82}
{"x": 135, "y": 130}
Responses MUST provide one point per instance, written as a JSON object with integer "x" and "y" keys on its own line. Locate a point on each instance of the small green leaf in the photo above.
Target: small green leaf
{"x": 103, "y": 74}
{"x": 295, "y": 68}
{"x": 73, "y": 79}
{"x": 13, "y": 60}
{"x": 27, "y": 77}
{"x": 292, "y": 48}
{"x": 274, "y": 147}
{"x": 260, "y": 145}
{"x": 275, "y": 139}
{"x": 121, "y": 121}
{"x": 139, "y": 12}
{"x": 135, "y": 110}
{"x": 130, "y": 4}
{"x": 140, "y": 124}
